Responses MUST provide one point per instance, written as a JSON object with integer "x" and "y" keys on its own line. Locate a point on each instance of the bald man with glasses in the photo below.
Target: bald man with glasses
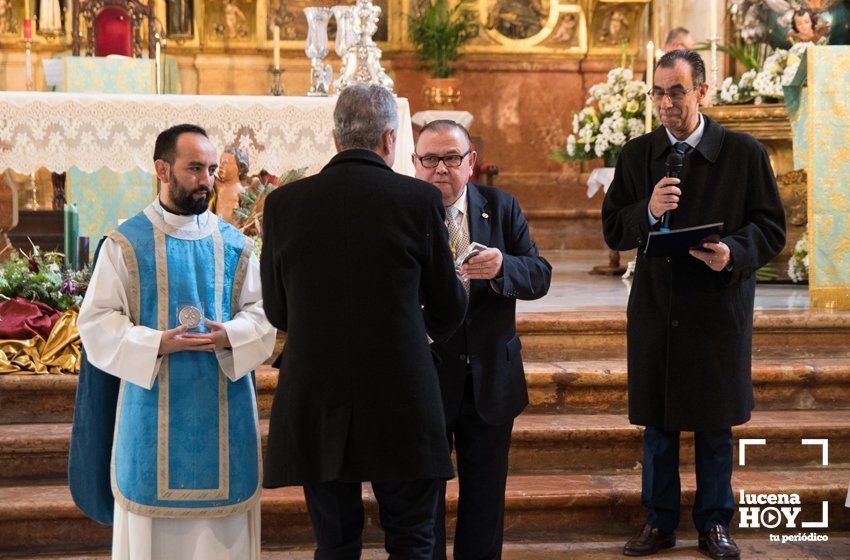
{"x": 480, "y": 366}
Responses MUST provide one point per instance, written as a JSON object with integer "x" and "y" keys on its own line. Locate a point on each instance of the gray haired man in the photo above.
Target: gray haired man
{"x": 350, "y": 256}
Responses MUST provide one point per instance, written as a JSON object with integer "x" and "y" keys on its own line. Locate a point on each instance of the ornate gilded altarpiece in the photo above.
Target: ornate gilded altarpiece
{"x": 574, "y": 28}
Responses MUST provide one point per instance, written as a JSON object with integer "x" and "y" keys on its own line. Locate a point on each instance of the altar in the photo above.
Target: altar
{"x": 92, "y": 132}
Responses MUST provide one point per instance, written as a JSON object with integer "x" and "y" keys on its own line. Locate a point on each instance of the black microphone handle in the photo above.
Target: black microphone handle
{"x": 665, "y": 220}
{"x": 672, "y": 171}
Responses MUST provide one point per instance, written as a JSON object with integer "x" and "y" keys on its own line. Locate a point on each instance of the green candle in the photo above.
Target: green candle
{"x": 75, "y": 233}
{"x": 67, "y": 234}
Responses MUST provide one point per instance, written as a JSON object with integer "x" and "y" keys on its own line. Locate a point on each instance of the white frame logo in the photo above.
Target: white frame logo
{"x": 772, "y": 511}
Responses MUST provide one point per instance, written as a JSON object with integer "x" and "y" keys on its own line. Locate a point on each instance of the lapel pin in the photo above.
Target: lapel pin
{"x": 485, "y": 215}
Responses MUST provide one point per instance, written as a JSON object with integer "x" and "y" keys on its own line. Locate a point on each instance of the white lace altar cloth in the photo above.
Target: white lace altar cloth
{"x": 117, "y": 131}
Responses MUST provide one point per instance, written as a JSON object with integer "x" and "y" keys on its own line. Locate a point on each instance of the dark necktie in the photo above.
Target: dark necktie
{"x": 682, "y": 148}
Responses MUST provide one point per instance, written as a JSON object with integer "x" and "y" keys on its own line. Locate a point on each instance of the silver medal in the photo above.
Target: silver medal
{"x": 190, "y": 316}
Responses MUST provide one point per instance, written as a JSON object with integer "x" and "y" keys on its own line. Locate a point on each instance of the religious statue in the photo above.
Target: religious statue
{"x": 7, "y": 22}
{"x": 779, "y": 23}
{"x": 807, "y": 27}
{"x": 49, "y": 17}
{"x": 615, "y": 29}
{"x": 280, "y": 15}
{"x": 179, "y": 17}
{"x": 230, "y": 183}
{"x": 518, "y": 19}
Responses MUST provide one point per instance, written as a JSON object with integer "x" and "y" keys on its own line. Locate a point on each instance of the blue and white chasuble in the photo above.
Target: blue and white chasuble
{"x": 188, "y": 447}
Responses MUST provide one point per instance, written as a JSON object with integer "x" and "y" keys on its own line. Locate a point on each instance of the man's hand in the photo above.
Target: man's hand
{"x": 486, "y": 265}
{"x": 176, "y": 340}
{"x": 717, "y": 259}
{"x": 217, "y": 334}
{"x": 665, "y": 196}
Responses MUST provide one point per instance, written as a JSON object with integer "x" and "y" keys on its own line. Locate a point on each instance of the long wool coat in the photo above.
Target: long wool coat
{"x": 690, "y": 328}
{"x": 349, "y": 257}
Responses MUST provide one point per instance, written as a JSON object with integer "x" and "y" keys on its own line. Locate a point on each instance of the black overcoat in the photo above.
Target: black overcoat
{"x": 349, "y": 257}
{"x": 690, "y": 328}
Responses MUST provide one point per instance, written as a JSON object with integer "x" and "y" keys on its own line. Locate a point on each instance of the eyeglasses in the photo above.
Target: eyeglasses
{"x": 451, "y": 160}
{"x": 676, "y": 95}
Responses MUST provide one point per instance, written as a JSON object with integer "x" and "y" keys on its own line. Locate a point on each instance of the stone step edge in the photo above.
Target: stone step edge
{"x": 604, "y": 491}
{"x": 835, "y": 424}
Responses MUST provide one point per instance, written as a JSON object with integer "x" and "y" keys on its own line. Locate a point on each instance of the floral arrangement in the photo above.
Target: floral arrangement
{"x": 765, "y": 83}
{"x": 798, "y": 264}
{"x": 41, "y": 276}
{"x": 613, "y": 116}
{"x": 248, "y": 216}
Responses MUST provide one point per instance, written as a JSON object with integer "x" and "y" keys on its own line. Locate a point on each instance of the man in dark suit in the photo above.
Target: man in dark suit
{"x": 350, "y": 256}
{"x": 690, "y": 318}
{"x": 480, "y": 366}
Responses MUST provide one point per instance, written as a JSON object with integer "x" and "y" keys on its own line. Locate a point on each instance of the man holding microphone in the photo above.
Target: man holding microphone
{"x": 690, "y": 318}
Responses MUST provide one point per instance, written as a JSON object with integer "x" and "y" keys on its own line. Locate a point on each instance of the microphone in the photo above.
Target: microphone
{"x": 674, "y": 164}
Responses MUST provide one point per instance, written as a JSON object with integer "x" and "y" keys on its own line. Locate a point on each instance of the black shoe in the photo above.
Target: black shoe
{"x": 649, "y": 541}
{"x": 716, "y": 543}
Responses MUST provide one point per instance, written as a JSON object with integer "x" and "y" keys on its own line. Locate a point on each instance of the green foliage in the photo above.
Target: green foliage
{"x": 41, "y": 277}
{"x": 751, "y": 57}
{"x": 439, "y": 31}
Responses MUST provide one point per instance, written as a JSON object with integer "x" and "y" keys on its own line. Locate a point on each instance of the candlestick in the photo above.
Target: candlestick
{"x": 277, "y": 86}
{"x": 276, "y": 46}
{"x": 650, "y": 72}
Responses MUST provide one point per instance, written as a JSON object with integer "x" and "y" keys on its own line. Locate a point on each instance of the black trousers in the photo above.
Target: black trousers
{"x": 482, "y": 469}
{"x": 661, "y": 488}
{"x": 407, "y": 516}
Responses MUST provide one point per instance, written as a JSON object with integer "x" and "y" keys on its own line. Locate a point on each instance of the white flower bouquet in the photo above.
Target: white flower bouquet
{"x": 764, "y": 84}
{"x": 798, "y": 264}
{"x": 614, "y": 115}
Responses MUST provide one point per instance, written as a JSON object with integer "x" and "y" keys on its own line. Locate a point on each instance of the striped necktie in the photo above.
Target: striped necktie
{"x": 458, "y": 237}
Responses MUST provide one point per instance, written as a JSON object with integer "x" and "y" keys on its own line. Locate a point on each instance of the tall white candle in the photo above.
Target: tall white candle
{"x": 158, "y": 68}
{"x": 713, "y": 19}
{"x": 277, "y": 47}
{"x": 650, "y": 70}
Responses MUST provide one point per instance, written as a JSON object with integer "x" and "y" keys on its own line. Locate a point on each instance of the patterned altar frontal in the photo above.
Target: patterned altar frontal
{"x": 829, "y": 176}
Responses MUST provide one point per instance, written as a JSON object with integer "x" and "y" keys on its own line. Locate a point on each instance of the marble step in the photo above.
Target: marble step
{"x": 563, "y": 443}
{"x": 37, "y": 519}
{"x": 798, "y": 383}
{"x": 757, "y": 547}
{"x": 601, "y": 334}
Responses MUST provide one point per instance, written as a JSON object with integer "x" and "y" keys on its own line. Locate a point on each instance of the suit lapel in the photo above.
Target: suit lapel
{"x": 479, "y": 225}
{"x": 479, "y": 218}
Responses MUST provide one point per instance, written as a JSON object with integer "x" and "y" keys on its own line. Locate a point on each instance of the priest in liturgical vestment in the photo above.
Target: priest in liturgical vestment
{"x": 186, "y": 458}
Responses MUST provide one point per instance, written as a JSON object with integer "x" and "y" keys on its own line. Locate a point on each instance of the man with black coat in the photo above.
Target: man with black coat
{"x": 349, "y": 258}
{"x": 480, "y": 366}
{"x": 690, "y": 318}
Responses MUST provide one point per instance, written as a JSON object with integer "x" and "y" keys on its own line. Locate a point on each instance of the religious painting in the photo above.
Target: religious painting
{"x": 10, "y": 18}
{"x": 289, "y": 15}
{"x": 530, "y": 26}
{"x": 518, "y": 19}
{"x": 230, "y": 23}
{"x": 179, "y": 18}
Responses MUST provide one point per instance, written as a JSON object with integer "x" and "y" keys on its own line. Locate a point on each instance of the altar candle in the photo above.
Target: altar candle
{"x": 158, "y": 68}
{"x": 277, "y": 47}
{"x": 713, "y": 20}
{"x": 650, "y": 70}
{"x": 26, "y": 9}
